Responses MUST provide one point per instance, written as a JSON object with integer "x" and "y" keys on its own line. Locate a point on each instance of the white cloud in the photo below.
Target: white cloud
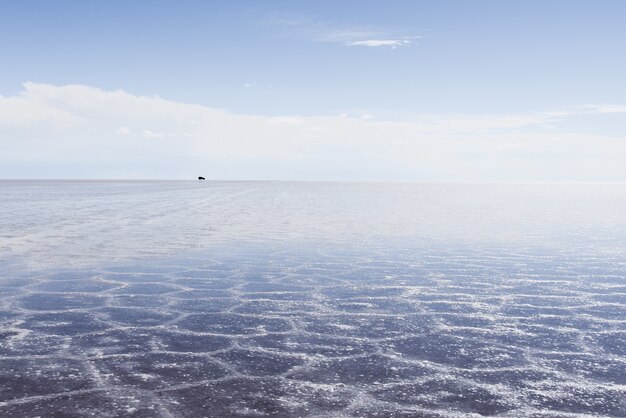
{"x": 344, "y": 35}
{"x": 81, "y": 131}
{"x": 149, "y": 134}
{"x": 380, "y": 42}
{"x": 603, "y": 109}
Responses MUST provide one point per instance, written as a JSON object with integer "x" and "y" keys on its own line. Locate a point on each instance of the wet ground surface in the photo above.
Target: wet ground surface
{"x": 319, "y": 331}
{"x": 219, "y": 299}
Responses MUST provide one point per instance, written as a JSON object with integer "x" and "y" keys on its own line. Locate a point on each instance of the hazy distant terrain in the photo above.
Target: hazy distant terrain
{"x": 312, "y": 299}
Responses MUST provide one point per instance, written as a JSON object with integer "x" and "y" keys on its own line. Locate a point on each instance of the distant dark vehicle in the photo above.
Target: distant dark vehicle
{"x": 201, "y": 178}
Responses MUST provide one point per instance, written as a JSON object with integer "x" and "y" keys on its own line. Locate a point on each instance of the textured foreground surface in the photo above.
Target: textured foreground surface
{"x": 379, "y": 320}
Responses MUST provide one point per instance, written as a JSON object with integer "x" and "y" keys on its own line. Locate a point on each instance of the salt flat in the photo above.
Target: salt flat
{"x": 312, "y": 299}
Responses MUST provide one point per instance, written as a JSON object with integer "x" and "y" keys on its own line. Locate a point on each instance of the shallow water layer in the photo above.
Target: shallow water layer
{"x": 331, "y": 308}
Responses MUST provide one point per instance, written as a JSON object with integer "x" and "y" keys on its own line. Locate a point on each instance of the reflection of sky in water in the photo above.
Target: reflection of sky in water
{"x": 289, "y": 299}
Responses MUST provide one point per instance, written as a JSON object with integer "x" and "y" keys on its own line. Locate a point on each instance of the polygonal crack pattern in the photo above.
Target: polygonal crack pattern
{"x": 288, "y": 333}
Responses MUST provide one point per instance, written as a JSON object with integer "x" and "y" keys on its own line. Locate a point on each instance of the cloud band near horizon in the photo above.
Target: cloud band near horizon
{"x": 77, "y": 131}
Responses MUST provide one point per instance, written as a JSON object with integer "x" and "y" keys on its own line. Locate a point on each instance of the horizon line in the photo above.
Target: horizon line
{"x": 317, "y": 181}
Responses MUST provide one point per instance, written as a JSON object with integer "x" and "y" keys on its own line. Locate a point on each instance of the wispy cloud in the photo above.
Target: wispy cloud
{"x": 595, "y": 108}
{"x": 588, "y": 109}
{"x": 393, "y": 43}
{"x": 344, "y": 35}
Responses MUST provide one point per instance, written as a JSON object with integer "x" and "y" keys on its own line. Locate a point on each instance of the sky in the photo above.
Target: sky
{"x": 301, "y": 90}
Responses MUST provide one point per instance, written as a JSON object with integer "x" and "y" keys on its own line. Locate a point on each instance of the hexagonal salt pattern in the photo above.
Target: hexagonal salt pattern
{"x": 320, "y": 332}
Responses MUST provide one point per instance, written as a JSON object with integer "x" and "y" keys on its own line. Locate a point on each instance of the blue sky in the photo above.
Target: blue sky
{"x": 535, "y": 69}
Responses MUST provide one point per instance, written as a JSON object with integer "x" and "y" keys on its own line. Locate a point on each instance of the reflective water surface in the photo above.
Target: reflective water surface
{"x": 161, "y": 299}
